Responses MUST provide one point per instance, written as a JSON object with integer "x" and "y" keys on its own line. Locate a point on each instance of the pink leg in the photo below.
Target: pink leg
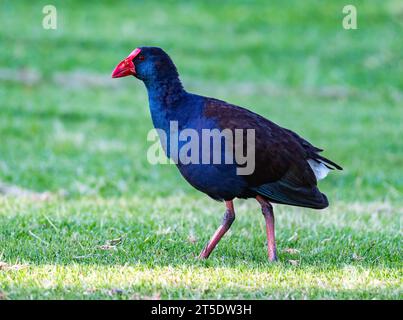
{"x": 229, "y": 218}
{"x": 267, "y": 211}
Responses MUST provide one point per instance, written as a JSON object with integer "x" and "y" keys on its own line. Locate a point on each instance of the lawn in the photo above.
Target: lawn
{"x": 84, "y": 215}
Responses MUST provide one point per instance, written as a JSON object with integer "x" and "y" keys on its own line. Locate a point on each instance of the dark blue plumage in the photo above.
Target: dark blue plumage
{"x": 284, "y": 162}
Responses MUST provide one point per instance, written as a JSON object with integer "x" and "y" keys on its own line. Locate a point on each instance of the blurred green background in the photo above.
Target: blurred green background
{"x": 68, "y": 129}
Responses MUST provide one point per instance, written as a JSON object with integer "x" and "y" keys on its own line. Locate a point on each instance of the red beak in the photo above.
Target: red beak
{"x": 126, "y": 67}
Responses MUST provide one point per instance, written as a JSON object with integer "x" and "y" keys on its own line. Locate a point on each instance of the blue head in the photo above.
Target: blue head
{"x": 148, "y": 64}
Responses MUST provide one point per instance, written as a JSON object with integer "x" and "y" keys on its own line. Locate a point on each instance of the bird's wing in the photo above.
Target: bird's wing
{"x": 282, "y": 172}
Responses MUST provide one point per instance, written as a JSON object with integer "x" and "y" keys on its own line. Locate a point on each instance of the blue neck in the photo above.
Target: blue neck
{"x": 165, "y": 98}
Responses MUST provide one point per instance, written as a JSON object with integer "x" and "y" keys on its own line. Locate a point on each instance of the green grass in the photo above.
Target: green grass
{"x": 81, "y": 136}
{"x": 350, "y": 251}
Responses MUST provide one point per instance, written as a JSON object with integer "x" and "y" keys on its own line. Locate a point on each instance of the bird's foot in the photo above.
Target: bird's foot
{"x": 272, "y": 254}
{"x": 204, "y": 254}
{"x": 273, "y": 259}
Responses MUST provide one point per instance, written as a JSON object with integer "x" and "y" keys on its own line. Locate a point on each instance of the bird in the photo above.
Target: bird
{"x": 286, "y": 166}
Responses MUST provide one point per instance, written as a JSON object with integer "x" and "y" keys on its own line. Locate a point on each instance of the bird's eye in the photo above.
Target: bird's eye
{"x": 141, "y": 57}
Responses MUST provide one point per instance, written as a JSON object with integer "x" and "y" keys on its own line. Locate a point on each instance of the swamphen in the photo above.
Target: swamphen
{"x": 286, "y": 166}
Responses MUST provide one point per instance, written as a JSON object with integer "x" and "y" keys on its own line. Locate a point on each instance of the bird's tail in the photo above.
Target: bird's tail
{"x": 328, "y": 163}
